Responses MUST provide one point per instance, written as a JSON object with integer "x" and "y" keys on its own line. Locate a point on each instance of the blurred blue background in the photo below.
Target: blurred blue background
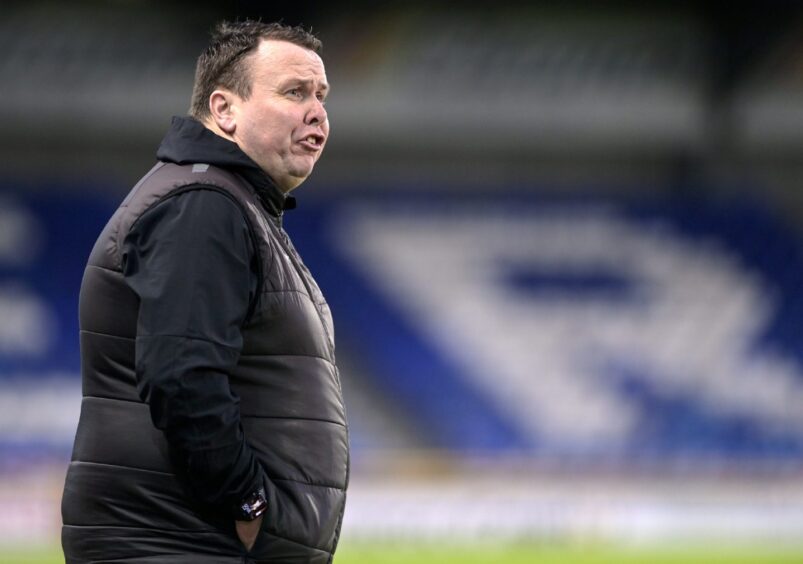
{"x": 558, "y": 241}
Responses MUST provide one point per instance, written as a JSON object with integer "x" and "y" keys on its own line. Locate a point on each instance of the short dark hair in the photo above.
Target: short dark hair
{"x": 223, "y": 63}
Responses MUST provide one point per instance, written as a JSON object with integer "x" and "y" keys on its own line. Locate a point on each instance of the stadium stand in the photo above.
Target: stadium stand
{"x": 591, "y": 330}
{"x": 558, "y": 328}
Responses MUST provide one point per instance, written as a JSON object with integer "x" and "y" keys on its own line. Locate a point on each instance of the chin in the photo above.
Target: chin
{"x": 292, "y": 182}
{"x": 301, "y": 174}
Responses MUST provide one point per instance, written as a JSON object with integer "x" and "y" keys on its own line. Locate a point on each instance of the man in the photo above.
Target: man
{"x": 212, "y": 426}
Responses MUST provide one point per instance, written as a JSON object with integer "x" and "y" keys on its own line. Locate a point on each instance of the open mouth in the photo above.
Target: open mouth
{"x": 312, "y": 142}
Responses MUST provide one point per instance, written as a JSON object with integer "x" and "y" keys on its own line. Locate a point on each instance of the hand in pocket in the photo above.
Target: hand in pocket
{"x": 247, "y": 531}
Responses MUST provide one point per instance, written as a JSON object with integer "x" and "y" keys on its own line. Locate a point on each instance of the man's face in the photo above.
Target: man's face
{"x": 283, "y": 125}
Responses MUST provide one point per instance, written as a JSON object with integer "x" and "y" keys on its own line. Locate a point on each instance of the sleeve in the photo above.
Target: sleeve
{"x": 189, "y": 261}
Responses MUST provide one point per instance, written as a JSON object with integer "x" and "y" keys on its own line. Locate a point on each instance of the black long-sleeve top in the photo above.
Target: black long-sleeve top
{"x": 190, "y": 261}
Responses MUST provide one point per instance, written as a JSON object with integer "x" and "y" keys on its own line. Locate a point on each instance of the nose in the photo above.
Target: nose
{"x": 316, "y": 114}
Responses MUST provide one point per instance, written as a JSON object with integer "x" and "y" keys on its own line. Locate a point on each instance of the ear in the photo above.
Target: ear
{"x": 222, "y": 107}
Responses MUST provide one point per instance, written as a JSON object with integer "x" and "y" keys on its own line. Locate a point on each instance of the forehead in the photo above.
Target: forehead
{"x": 280, "y": 60}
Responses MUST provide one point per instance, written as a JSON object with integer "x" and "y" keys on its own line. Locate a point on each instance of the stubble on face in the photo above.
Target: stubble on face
{"x": 283, "y": 125}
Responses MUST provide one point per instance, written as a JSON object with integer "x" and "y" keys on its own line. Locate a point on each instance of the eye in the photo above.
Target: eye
{"x": 321, "y": 98}
{"x": 295, "y": 93}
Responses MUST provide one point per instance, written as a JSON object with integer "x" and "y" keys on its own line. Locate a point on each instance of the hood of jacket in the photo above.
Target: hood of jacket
{"x": 188, "y": 141}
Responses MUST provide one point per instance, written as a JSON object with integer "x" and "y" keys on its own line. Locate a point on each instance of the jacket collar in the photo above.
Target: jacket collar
{"x": 188, "y": 141}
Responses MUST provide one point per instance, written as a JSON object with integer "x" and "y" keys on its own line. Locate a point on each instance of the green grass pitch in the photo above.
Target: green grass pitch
{"x": 431, "y": 553}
